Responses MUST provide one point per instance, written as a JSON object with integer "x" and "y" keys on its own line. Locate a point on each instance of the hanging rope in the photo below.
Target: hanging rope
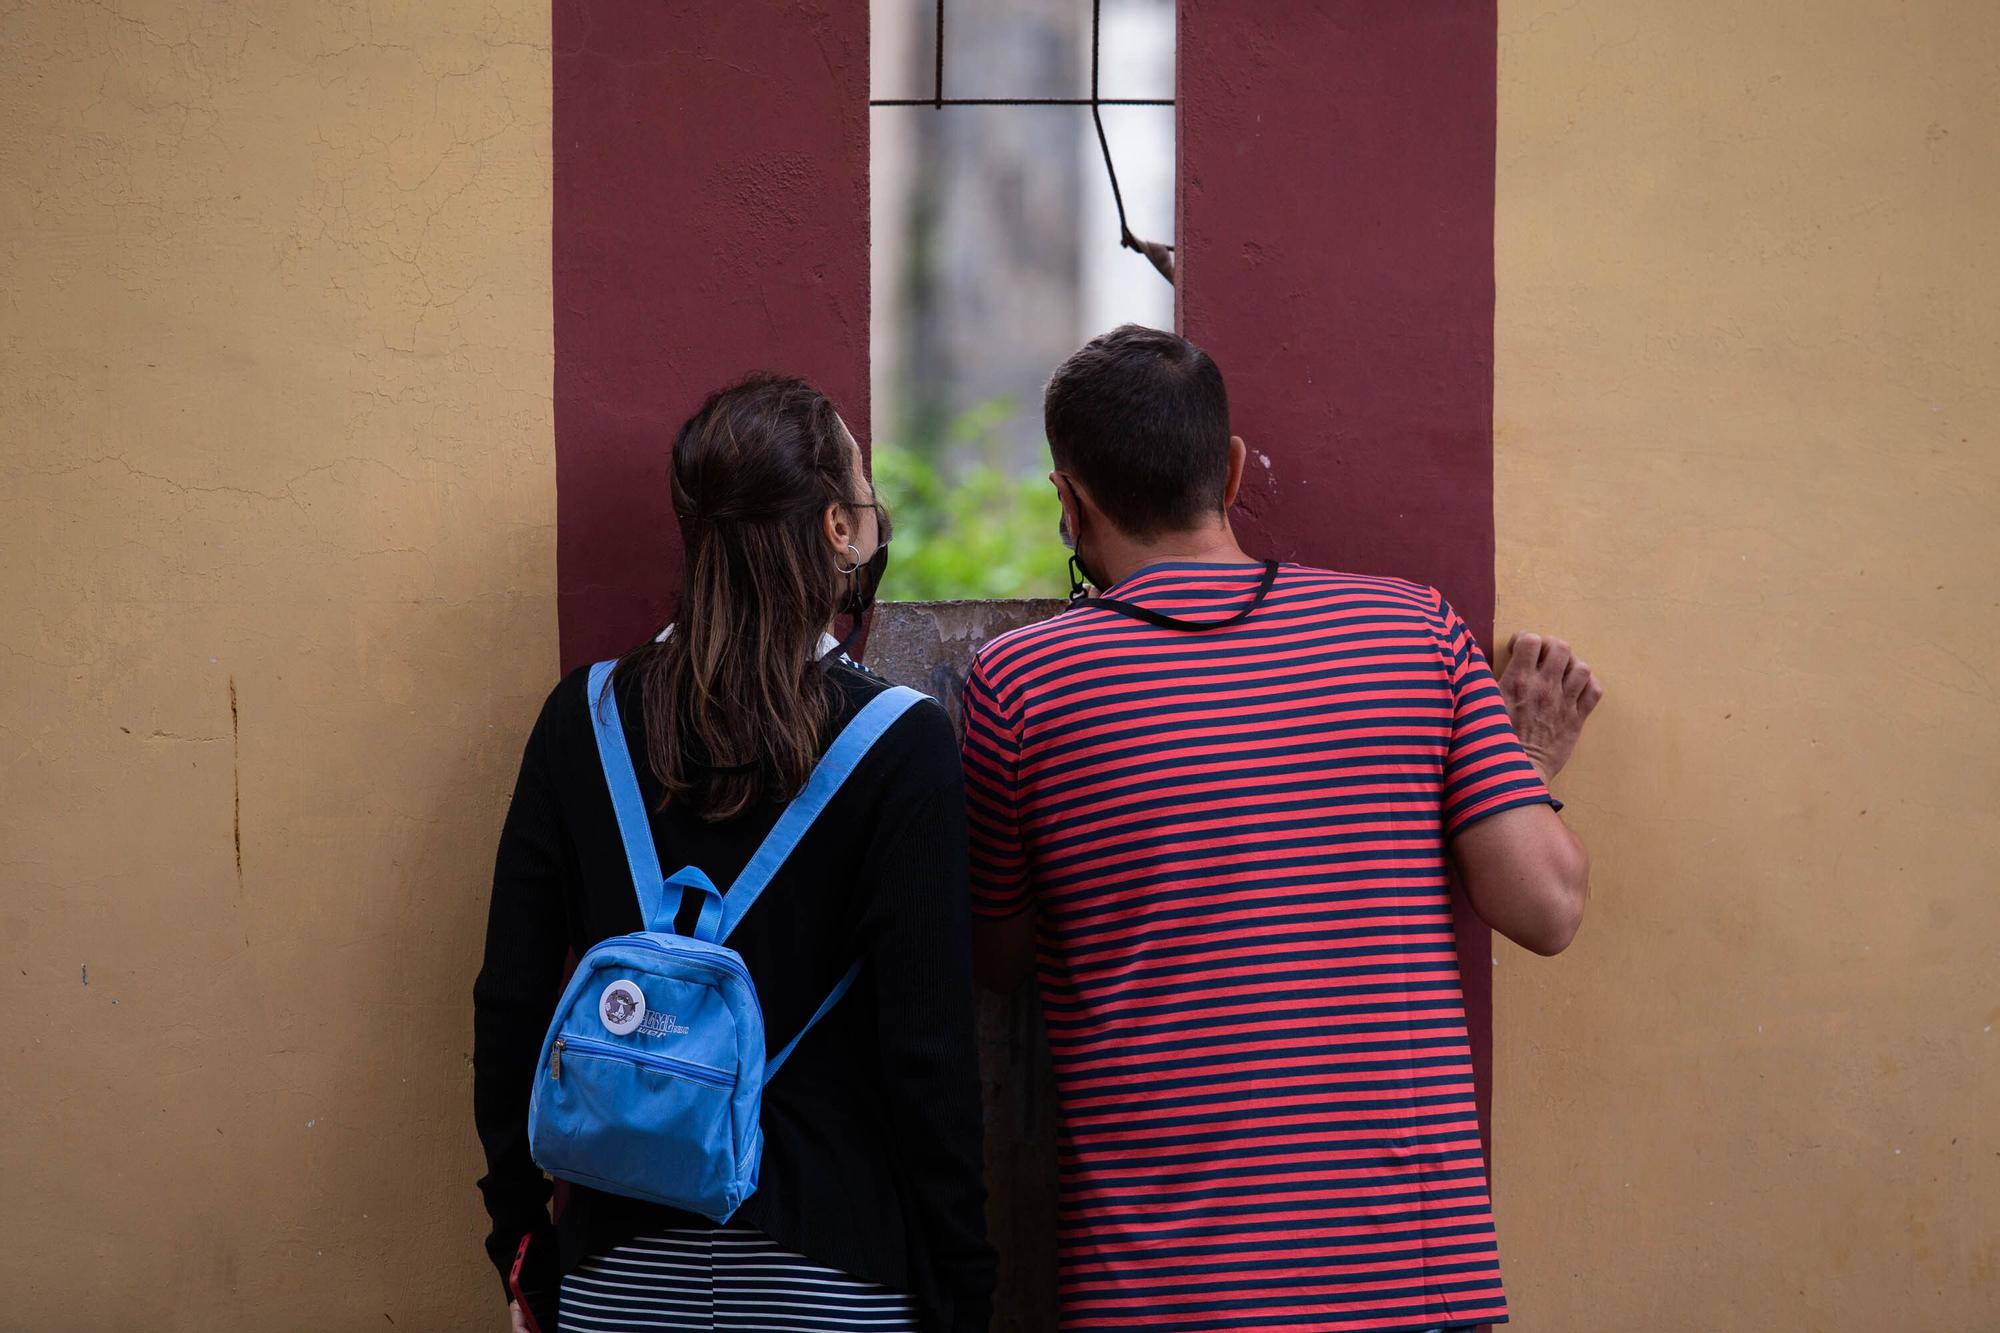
{"x": 1160, "y": 254}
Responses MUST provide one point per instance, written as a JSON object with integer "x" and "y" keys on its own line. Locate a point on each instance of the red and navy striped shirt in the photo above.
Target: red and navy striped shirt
{"x": 1236, "y": 842}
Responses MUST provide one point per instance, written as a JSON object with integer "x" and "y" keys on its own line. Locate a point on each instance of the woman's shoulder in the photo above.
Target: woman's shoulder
{"x": 565, "y": 697}
{"x": 924, "y": 729}
{"x": 565, "y": 719}
{"x": 857, "y": 684}
{"x": 860, "y": 686}
{"x": 571, "y": 694}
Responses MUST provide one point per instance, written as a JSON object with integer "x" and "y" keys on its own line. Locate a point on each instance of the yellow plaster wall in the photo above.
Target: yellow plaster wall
{"x": 276, "y": 608}
{"x": 1748, "y": 386}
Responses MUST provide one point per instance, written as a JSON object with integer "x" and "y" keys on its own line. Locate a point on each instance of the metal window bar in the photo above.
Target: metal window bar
{"x": 1161, "y": 255}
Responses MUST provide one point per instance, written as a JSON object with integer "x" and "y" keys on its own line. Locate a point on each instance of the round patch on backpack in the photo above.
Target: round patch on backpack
{"x": 622, "y": 1007}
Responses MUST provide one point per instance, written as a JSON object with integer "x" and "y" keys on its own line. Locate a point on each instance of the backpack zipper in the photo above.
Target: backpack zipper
{"x": 720, "y": 962}
{"x": 645, "y": 1059}
{"x": 716, "y": 962}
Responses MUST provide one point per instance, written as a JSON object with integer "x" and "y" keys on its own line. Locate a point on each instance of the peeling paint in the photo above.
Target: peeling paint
{"x": 930, "y": 646}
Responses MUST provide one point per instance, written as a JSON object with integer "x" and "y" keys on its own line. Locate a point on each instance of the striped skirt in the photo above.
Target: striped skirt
{"x": 725, "y": 1281}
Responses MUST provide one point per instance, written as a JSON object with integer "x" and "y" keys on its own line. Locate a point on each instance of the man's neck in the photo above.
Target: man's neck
{"x": 1211, "y": 544}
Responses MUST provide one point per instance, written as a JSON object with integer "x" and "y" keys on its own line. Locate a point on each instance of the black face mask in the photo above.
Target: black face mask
{"x": 866, "y": 580}
{"x": 1079, "y": 572}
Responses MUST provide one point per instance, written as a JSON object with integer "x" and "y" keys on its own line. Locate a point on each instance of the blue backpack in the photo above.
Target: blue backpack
{"x": 651, "y": 1078}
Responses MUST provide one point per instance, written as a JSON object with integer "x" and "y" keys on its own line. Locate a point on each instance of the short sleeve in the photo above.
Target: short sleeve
{"x": 992, "y": 758}
{"x": 1485, "y": 768}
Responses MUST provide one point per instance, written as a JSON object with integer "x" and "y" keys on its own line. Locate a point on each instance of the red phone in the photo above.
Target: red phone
{"x": 514, "y": 1286}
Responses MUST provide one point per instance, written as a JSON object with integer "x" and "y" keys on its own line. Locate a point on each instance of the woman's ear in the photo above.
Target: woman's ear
{"x": 838, "y": 524}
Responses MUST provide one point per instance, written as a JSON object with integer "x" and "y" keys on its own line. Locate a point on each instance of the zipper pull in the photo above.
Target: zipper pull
{"x": 555, "y": 1061}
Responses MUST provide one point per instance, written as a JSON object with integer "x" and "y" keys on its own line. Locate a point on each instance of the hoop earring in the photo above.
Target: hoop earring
{"x": 856, "y": 567}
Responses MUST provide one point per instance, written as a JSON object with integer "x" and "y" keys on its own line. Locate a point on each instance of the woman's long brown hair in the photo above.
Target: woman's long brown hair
{"x": 736, "y": 701}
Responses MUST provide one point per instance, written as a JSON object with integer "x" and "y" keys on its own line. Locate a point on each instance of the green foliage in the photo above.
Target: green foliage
{"x": 973, "y": 529}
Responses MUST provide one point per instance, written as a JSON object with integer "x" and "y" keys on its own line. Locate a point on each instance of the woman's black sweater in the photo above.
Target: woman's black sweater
{"x": 872, "y": 1155}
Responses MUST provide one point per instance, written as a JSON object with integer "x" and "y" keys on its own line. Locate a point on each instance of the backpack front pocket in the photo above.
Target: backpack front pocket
{"x": 638, "y": 1105}
{"x": 604, "y": 1050}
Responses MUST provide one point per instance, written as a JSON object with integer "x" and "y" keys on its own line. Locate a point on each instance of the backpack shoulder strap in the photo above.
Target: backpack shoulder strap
{"x": 840, "y": 989}
{"x": 833, "y": 769}
{"x": 634, "y": 829}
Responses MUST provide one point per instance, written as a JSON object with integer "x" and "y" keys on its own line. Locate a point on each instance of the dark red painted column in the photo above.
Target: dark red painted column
{"x": 1336, "y": 258}
{"x": 711, "y": 218}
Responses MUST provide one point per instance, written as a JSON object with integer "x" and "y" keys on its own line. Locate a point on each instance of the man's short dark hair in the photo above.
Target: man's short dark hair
{"x": 1140, "y": 417}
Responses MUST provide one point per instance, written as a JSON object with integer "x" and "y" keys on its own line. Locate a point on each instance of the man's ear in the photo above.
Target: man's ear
{"x": 1076, "y": 497}
{"x": 1234, "y": 484}
{"x": 1066, "y": 495}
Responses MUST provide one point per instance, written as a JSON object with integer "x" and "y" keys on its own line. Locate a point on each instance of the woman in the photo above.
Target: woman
{"x": 870, "y": 1211}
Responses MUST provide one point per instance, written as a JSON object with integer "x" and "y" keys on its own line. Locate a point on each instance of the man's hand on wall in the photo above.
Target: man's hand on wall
{"x": 1550, "y": 691}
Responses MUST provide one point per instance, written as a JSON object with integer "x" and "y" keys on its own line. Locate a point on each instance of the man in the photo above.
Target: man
{"x": 1226, "y": 799}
